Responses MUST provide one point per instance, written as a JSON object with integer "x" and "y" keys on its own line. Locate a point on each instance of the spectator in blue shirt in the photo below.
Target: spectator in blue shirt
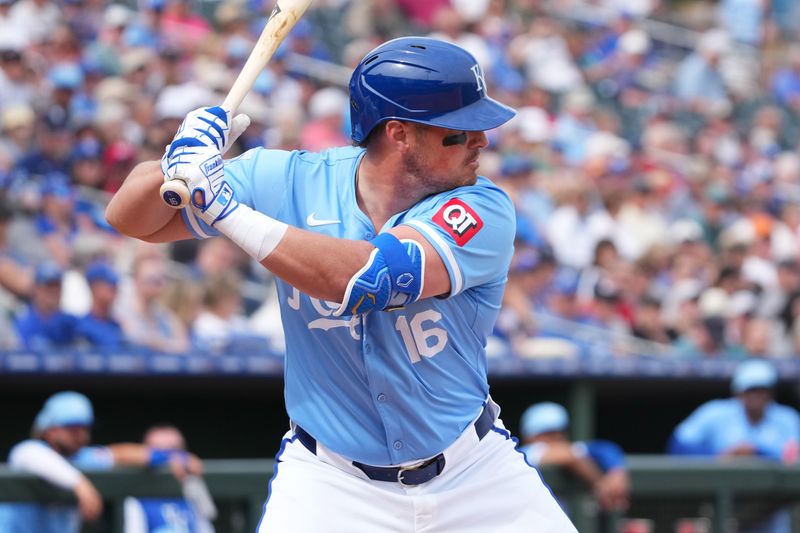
{"x": 191, "y": 514}
{"x": 750, "y": 423}
{"x": 43, "y": 325}
{"x": 99, "y": 328}
{"x": 786, "y": 81}
{"x": 697, "y": 80}
{"x": 600, "y": 463}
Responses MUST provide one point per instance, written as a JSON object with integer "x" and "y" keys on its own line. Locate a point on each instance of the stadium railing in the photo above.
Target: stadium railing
{"x": 666, "y": 492}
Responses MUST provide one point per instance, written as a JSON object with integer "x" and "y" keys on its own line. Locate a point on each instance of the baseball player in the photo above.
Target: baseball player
{"x": 392, "y": 257}
{"x": 600, "y": 463}
{"x": 59, "y": 447}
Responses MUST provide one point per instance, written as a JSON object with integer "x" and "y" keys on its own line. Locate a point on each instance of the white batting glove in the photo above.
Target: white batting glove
{"x": 213, "y": 206}
{"x": 203, "y": 133}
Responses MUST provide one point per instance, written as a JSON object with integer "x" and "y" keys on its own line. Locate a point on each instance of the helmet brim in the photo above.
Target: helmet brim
{"x": 484, "y": 114}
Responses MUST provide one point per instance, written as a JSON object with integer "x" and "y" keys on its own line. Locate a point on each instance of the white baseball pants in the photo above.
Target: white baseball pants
{"x": 486, "y": 487}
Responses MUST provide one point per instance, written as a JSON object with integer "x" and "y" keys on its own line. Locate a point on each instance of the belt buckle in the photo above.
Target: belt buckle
{"x": 400, "y": 472}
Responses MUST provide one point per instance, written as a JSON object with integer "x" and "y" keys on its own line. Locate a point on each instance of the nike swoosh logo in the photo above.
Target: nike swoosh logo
{"x": 313, "y": 221}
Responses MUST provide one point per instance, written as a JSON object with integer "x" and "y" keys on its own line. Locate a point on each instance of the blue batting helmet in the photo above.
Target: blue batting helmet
{"x": 65, "y": 409}
{"x": 418, "y": 79}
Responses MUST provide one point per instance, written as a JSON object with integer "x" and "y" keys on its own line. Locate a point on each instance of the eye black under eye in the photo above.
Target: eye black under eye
{"x": 456, "y": 138}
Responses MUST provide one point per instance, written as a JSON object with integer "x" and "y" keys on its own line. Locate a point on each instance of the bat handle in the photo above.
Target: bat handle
{"x": 175, "y": 193}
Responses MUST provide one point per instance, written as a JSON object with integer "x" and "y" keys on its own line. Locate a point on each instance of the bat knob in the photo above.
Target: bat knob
{"x": 175, "y": 194}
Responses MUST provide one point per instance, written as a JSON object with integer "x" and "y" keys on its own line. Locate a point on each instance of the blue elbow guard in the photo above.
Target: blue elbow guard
{"x": 392, "y": 277}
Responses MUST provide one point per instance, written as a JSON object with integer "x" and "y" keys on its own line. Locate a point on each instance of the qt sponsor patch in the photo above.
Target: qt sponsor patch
{"x": 459, "y": 220}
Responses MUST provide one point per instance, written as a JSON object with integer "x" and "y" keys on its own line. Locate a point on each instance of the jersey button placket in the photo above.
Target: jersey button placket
{"x": 398, "y": 444}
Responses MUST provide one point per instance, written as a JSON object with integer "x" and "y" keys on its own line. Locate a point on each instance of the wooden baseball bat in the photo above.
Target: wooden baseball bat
{"x": 174, "y": 192}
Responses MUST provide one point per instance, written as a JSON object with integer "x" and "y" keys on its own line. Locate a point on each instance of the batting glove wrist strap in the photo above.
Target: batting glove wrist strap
{"x": 255, "y": 233}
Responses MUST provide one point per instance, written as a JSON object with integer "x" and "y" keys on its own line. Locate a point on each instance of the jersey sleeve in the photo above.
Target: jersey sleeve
{"x": 472, "y": 229}
{"x": 608, "y": 455}
{"x": 691, "y": 437}
{"x": 93, "y": 458}
{"x": 35, "y": 457}
{"x": 259, "y": 177}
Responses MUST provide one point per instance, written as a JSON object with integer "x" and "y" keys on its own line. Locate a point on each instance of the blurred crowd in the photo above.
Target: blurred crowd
{"x": 653, "y": 165}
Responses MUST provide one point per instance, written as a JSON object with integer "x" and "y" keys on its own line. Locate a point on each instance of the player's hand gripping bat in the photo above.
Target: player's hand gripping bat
{"x": 174, "y": 192}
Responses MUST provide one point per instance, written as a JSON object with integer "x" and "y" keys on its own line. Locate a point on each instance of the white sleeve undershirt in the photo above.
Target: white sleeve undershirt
{"x": 42, "y": 461}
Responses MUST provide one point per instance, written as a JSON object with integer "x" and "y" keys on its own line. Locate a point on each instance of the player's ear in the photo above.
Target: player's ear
{"x": 398, "y": 133}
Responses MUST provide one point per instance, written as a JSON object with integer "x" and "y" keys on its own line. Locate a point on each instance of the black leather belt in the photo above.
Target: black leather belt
{"x": 406, "y": 476}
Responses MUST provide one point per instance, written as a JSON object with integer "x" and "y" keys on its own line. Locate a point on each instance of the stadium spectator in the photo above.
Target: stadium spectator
{"x": 663, "y": 136}
{"x": 325, "y": 129}
{"x": 221, "y": 323}
{"x": 99, "y": 328}
{"x": 698, "y": 82}
{"x": 58, "y": 451}
{"x": 43, "y": 326}
{"x": 155, "y": 515}
{"x": 599, "y": 463}
{"x": 749, "y": 424}
{"x": 146, "y": 321}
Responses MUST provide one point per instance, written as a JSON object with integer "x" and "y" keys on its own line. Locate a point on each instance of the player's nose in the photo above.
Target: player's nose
{"x": 477, "y": 140}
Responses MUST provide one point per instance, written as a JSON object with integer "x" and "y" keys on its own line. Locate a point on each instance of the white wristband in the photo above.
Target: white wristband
{"x": 254, "y": 232}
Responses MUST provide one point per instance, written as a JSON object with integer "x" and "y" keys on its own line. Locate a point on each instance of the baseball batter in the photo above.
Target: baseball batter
{"x": 392, "y": 256}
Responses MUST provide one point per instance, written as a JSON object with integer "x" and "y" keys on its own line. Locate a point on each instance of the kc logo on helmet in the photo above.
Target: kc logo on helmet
{"x": 459, "y": 220}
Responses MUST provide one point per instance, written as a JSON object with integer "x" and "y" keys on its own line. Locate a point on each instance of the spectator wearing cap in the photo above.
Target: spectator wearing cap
{"x": 56, "y": 223}
{"x": 749, "y": 424}
{"x": 562, "y": 297}
{"x": 87, "y": 165}
{"x": 58, "y": 448}
{"x": 43, "y": 326}
{"x": 98, "y": 328}
{"x": 51, "y": 152}
{"x": 16, "y": 80}
{"x": 599, "y": 463}
{"x": 698, "y": 82}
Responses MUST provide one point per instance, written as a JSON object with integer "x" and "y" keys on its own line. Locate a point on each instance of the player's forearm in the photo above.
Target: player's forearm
{"x": 136, "y": 210}
{"x": 317, "y": 265}
{"x": 130, "y": 454}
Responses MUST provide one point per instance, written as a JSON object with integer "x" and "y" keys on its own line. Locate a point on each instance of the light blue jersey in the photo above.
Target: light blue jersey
{"x": 53, "y": 517}
{"x": 387, "y": 387}
{"x": 719, "y": 425}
